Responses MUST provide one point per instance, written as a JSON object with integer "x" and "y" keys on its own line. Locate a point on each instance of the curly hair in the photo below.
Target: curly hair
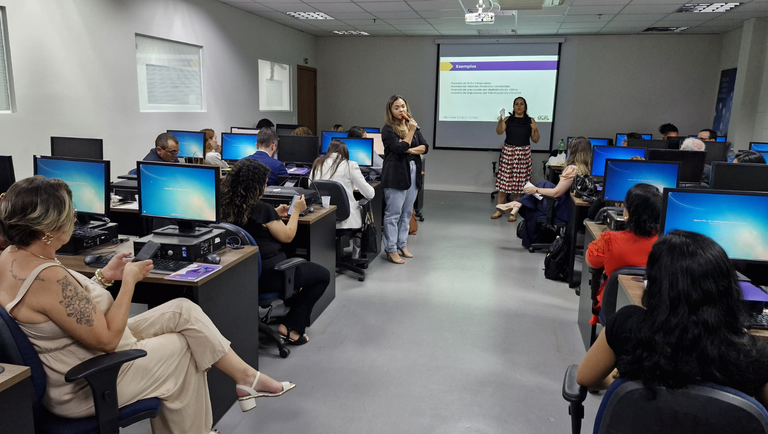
{"x": 242, "y": 189}
{"x": 643, "y": 203}
{"x": 34, "y": 206}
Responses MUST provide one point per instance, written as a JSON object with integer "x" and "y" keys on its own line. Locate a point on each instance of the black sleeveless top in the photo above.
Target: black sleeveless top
{"x": 518, "y": 131}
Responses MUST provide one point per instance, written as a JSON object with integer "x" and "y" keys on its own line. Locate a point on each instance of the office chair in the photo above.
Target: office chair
{"x": 495, "y": 175}
{"x": 629, "y": 408}
{"x": 607, "y": 308}
{"x": 287, "y": 267}
{"x": 101, "y": 374}
{"x": 339, "y": 198}
{"x": 549, "y": 222}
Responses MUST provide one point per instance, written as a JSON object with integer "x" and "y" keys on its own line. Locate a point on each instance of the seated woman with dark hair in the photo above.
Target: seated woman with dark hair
{"x": 749, "y": 157}
{"x": 241, "y": 193}
{"x": 630, "y": 247}
{"x": 691, "y": 331}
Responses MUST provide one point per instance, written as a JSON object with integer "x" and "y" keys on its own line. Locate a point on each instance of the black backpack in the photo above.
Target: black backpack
{"x": 556, "y": 261}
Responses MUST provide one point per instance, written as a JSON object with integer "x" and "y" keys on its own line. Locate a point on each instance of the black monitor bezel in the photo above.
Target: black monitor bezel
{"x": 107, "y": 179}
{"x": 307, "y": 139}
{"x": 372, "y": 150}
{"x": 605, "y": 172}
{"x": 236, "y": 134}
{"x": 320, "y": 138}
{"x": 656, "y": 143}
{"x": 185, "y": 131}
{"x": 98, "y": 142}
{"x": 703, "y": 155}
{"x": 645, "y": 153}
{"x": 740, "y": 166}
{"x": 6, "y": 163}
{"x": 217, "y": 181}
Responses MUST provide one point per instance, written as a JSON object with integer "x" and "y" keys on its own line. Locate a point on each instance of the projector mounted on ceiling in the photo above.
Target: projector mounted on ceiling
{"x": 480, "y": 17}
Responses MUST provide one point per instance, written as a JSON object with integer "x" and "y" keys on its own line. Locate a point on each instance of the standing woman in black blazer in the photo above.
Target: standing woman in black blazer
{"x": 403, "y": 145}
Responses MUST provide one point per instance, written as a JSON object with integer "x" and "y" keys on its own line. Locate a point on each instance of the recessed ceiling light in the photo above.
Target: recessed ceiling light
{"x": 310, "y": 15}
{"x": 708, "y": 7}
{"x": 497, "y": 32}
{"x": 664, "y": 29}
{"x": 351, "y": 32}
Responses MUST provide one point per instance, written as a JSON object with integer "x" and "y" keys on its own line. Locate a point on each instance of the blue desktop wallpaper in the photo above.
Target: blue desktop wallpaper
{"x": 620, "y": 176}
{"x": 178, "y": 192}
{"x": 736, "y": 222}
{"x": 620, "y": 138}
{"x": 238, "y": 146}
{"x": 328, "y": 136}
{"x": 373, "y": 130}
{"x": 191, "y": 144}
{"x": 360, "y": 150}
{"x": 764, "y": 154}
{"x": 760, "y": 147}
{"x": 599, "y": 155}
{"x": 85, "y": 179}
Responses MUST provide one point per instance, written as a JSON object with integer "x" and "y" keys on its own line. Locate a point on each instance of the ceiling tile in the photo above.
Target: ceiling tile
{"x": 352, "y": 15}
{"x": 541, "y": 19}
{"x": 398, "y": 6}
{"x": 639, "y": 17}
{"x": 732, "y": 24}
{"x": 594, "y": 10}
{"x": 738, "y": 15}
{"x": 419, "y": 22}
{"x": 368, "y": 23}
{"x": 557, "y": 10}
{"x": 577, "y": 31}
{"x": 600, "y": 2}
{"x": 323, "y": 1}
{"x": 691, "y": 17}
{"x": 329, "y": 8}
{"x": 585, "y": 18}
{"x": 436, "y": 5}
{"x": 661, "y": 2}
{"x": 595, "y": 26}
{"x": 621, "y": 30}
{"x": 252, "y": 7}
{"x": 421, "y": 32}
{"x": 446, "y": 20}
{"x": 291, "y": 7}
{"x": 673, "y": 22}
{"x": 524, "y": 32}
{"x": 651, "y": 9}
{"x": 403, "y": 14}
{"x": 459, "y": 32}
{"x": 440, "y": 14}
{"x": 625, "y": 24}
{"x": 752, "y": 7}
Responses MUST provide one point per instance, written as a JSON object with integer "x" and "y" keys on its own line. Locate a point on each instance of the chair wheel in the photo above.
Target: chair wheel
{"x": 361, "y": 278}
{"x": 578, "y": 291}
{"x": 285, "y": 352}
{"x": 364, "y": 266}
{"x": 531, "y": 250}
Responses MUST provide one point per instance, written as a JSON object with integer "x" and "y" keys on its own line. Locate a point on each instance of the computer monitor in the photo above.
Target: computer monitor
{"x": 88, "y": 179}
{"x": 360, "y": 150}
{"x": 191, "y": 143}
{"x": 602, "y": 153}
{"x": 717, "y": 151}
{"x": 236, "y": 146}
{"x": 76, "y": 147}
{"x": 693, "y": 162}
{"x": 372, "y": 130}
{"x": 298, "y": 149}
{"x": 621, "y": 175}
{"x": 188, "y": 193}
{"x": 327, "y": 136}
{"x": 596, "y": 141}
{"x": 741, "y": 176}
{"x": 649, "y": 144}
{"x": 285, "y": 129}
{"x": 758, "y": 146}
{"x": 734, "y": 219}
{"x": 620, "y": 137}
{"x": 378, "y": 144}
{"x": 7, "y": 174}
{"x": 243, "y": 130}
{"x": 675, "y": 142}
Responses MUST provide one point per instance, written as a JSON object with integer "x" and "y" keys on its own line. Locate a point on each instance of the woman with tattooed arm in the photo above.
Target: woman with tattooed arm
{"x": 70, "y": 318}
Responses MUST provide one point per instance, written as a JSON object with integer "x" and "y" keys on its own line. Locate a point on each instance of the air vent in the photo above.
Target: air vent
{"x": 310, "y": 15}
{"x": 707, "y": 7}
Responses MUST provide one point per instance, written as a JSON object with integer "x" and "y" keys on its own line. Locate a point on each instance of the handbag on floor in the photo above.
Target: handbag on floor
{"x": 413, "y": 225}
{"x": 368, "y": 236}
{"x": 556, "y": 261}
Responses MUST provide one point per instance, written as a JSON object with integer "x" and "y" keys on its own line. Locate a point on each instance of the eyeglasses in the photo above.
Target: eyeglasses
{"x": 176, "y": 152}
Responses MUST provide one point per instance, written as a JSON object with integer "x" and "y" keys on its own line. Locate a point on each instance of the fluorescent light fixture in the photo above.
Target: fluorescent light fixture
{"x": 351, "y": 32}
{"x": 497, "y": 32}
{"x": 708, "y": 7}
{"x": 310, "y": 15}
{"x": 664, "y": 29}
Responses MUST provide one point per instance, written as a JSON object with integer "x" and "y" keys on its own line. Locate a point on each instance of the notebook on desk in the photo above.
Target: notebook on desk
{"x": 298, "y": 170}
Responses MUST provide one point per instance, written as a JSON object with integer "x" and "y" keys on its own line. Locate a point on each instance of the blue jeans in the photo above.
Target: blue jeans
{"x": 397, "y": 214}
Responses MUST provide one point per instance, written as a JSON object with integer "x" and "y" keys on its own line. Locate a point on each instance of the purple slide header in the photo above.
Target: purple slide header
{"x": 531, "y": 65}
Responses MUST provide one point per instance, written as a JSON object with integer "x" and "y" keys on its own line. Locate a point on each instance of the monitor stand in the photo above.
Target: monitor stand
{"x": 84, "y": 221}
{"x": 183, "y": 230}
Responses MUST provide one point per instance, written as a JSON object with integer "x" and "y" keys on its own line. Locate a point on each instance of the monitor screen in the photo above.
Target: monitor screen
{"x": 758, "y": 146}
{"x": 7, "y": 174}
{"x": 327, "y": 136}
{"x": 621, "y": 175}
{"x": 378, "y": 144}
{"x": 595, "y": 141}
{"x": 741, "y": 176}
{"x": 77, "y": 147}
{"x": 622, "y": 136}
{"x": 735, "y": 220}
{"x": 178, "y": 191}
{"x": 191, "y": 143}
{"x": 602, "y": 153}
{"x": 693, "y": 162}
{"x": 244, "y": 130}
{"x": 298, "y": 149}
{"x": 372, "y": 130}
{"x": 88, "y": 180}
{"x": 360, "y": 150}
{"x": 764, "y": 154}
{"x": 238, "y": 146}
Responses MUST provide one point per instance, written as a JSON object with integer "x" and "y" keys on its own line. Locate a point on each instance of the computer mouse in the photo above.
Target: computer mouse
{"x": 90, "y": 259}
{"x": 213, "y": 258}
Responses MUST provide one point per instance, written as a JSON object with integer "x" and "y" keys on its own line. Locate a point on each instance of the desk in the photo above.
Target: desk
{"x": 631, "y": 292}
{"x": 578, "y": 212}
{"x": 377, "y": 205}
{"x": 592, "y": 232}
{"x": 16, "y": 397}
{"x": 230, "y": 297}
{"x": 315, "y": 241}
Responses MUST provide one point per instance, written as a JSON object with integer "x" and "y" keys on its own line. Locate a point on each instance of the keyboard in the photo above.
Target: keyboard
{"x": 168, "y": 266}
{"x": 758, "y": 321}
{"x": 103, "y": 260}
{"x": 88, "y": 233}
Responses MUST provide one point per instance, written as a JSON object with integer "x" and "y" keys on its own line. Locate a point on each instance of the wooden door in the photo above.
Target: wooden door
{"x": 306, "y": 80}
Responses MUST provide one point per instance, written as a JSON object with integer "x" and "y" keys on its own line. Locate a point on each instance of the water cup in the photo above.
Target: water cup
{"x": 326, "y": 201}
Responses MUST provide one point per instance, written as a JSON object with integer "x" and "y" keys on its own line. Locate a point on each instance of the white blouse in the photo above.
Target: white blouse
{"x": 215, "y": 159}
{"x": 349, "y": 175}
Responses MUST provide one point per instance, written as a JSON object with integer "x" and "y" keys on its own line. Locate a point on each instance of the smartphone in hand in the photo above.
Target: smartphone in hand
{"x": 147, "y": 252}
{"x": 290, "y": 208}
{"x": 502, "y": 112}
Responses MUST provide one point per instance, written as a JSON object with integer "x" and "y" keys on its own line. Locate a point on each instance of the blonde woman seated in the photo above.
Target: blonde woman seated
{"x": 70, "y": 318}
{"x": 302, "y": 131}
{"x": 212, "y": 149}
{"x": 335, "y": 165}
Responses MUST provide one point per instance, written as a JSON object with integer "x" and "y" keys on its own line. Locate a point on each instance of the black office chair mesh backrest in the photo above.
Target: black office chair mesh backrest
{"x": 611, "y": 291}
{"x": 629, "y": 408}
{"x": 338, "y": 197}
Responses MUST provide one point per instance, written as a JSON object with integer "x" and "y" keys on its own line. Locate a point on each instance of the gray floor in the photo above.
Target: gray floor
{"x": 468, "y": 337}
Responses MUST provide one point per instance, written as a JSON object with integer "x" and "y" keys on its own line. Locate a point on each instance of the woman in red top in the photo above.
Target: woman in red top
{"x": 630, "y": 247}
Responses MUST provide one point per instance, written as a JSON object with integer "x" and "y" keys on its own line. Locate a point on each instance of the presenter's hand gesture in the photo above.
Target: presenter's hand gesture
{"x": 534, "y": 125}
{"x": 412, "y": 124}
{"x": 300, "y": 205}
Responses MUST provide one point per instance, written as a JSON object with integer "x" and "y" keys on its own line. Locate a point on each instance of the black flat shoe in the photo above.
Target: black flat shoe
{"x": 303, "y": 339}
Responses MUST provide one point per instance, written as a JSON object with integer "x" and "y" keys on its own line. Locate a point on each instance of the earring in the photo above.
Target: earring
{"x": 47, "y": 238}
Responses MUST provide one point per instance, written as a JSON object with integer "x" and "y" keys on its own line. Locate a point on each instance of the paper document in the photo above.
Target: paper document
{"x": 536, "y": 195}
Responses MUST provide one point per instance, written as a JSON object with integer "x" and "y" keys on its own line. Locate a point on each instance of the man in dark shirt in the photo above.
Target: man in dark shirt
{"x": 166, "y": 149}
{"x": 267, "y": 147}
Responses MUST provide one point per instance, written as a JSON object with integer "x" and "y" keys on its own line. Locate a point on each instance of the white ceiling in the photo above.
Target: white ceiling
{"x": 446, "y": 17}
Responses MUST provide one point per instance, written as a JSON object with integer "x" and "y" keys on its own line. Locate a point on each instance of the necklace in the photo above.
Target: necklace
{"x": 39, "y": 256}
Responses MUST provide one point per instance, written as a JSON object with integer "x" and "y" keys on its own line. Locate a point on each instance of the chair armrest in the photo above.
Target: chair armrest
{"x": 363, "y": 202}
{"x": 102, "y": 363}
{"x": 572, "y": 392}
{"x": 289, "y": 264}
{"x": 288, "y": 267}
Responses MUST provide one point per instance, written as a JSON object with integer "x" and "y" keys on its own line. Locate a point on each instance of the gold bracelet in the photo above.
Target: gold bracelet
{"x": 100, "y": 278}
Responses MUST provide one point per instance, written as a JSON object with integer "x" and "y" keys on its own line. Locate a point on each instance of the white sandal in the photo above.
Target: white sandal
{"x": 248, "y": 402}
